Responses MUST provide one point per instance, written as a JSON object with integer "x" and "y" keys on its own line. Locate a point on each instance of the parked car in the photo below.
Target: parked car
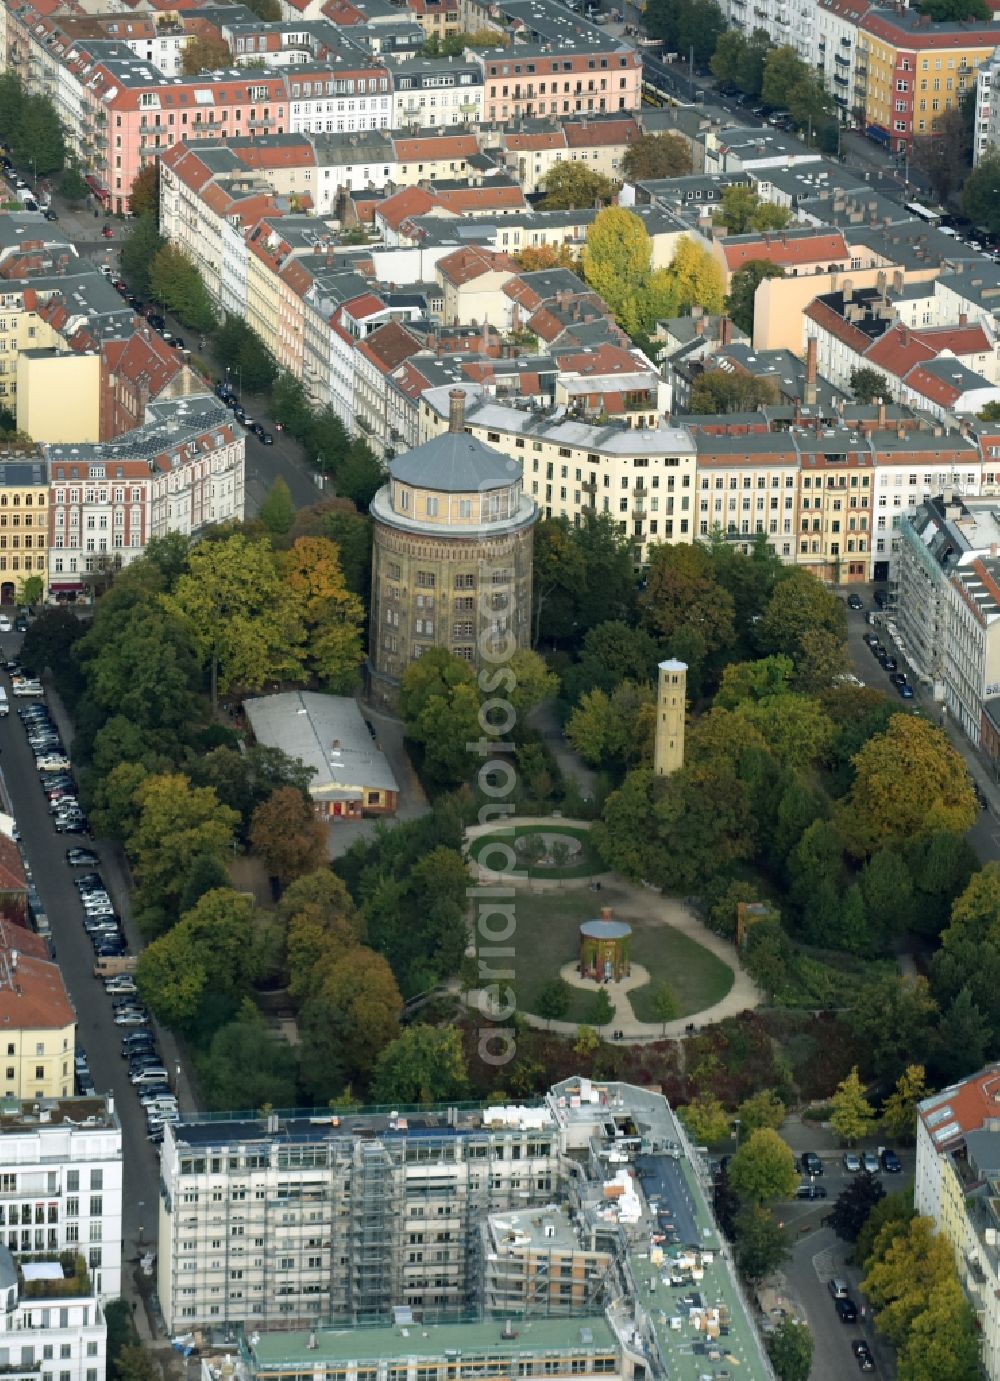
{"x": 810, "y": 1191}
{"x": 266, "y": 439}
{"x": 811, "y": 1163}
{"x": 869, "y": 1162}
{"x": 852, "y": 1162}
{"x": 905, "y": 692}
{"x": 863, "y": 1354}
{"x": 854, "y": 602}
{"x": 847, "y": 1310}
{"x": 81, "y": 858}
{"x": 107, "y": 232}
{"x": 891, "y": 1163}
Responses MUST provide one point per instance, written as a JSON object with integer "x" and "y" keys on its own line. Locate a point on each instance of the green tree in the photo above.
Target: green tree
{"x": 894, "y": 1020}
{"x": 888, "y": 892}
{"x": 277, "y": 512}
{"x": 572, "y": 185}
{"x": 760, "y": 680}
{"x": 716, "y": 391}
{"x": 439, "y": 704}
{"x": 290, "y": 405}
{"x": 869, "y": 385}
{"x": 359, "y": 476}
{"x": 37, "y": 138}
{"x": 763, "y": 1168}
{"x": 706, "y": 1119}
{"x": 175, "y": 281}
{"x": 553, "y": 999}
{"x": 140, "y": 248}
{"x": 601, "y": 1009}
{"x": 583, "y": 576}
{"x": 799, "y": 605}
{"x": 743, "y": 210}
{"x": 888, "y": 1218}
{"x": 664, "y": 1002}
{"x": 425, "y": 1064}
{"x": 944, "y": 155}
{"x": 176, "y": 824}
{"x": 33, "y": 590}
{"x": 144, "y": 198}
{"x": 617, "y": 257}
{"x": 286, "y": 834}
{"x": 790, "y": 1348}
{"x": 852, "y": 1116}
{"x": 533, "y": 682}
{"x": 683, "y": 595}
{"x": 247, "y": 1066}
{"x": 240, "y": 349}
{"x": 956, "y": 11}
{"x": 686, "y": 24}
{"x": 962, "y": 1039}
{"x": 761, "y": 1109}
{"x": 761, "y": 1243}
{"x": 205, "y": 53}
{"x": 72, "y": 185}
{"x": 908, "y": 783}
{"x": 613, "y": 730}
{"x": 981, "y": 194}
{"x": 611, "y": 653}
{"x": 213, "y": 944}
{"x": 205, "y": 874}
{"x": 969, "y": 958}
{"x": 243, "y": 617}
{"x": 655, "y": 156}
{"x": 743, "y": 289}
{"x": 899, "y": 1115}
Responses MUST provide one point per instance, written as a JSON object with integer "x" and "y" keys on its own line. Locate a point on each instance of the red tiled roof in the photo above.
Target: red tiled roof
{"x": 960, "y": 340}
{"x": 389, "y": 346}
{"x": 487, "y": 197}
{"x": 473, "y": 261}
{"x": 879, "y": 23}
{"x": 605, "y": 359}
{"x": 410, "y": 201}
{"x": 937, "y": 390}
{"x": 786, "y": 250}
{"x": 12, "y": 877}
{"x": 436, "y": 146}
{"x": 834, "y": 323}
{"x": 364, "y": 306}
{"x": 556, "y": 139}
{"x": 898, "y": 350}
{"x": 587, "y": 134}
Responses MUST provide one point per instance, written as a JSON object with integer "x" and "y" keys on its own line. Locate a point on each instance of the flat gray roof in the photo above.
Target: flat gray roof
{"x": 327, "y": 733}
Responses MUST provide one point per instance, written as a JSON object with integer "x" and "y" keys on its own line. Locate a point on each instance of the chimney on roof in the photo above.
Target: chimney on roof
{"x": 963, "y": 318}
{"x": 904, "y": 336}
{"x": 810, "y": 388}
{"x": 699, "y": 326}
{"x": 881, "y": 414}
{"x": 456, "y": 410}
{"x": 848, "y": 291}
{"x": 725, "y": 331}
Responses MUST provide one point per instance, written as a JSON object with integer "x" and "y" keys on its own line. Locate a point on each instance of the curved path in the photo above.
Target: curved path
{"x": 628, "y": 901}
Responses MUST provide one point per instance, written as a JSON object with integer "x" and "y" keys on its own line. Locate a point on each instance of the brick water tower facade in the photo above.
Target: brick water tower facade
{"x": 453, "y": 534}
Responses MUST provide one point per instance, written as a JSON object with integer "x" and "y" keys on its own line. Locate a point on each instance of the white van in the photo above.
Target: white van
{"x": 4, "y": 704}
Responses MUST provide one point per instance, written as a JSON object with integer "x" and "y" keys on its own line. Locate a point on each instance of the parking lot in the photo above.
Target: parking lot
{"x": 44, "y": 841}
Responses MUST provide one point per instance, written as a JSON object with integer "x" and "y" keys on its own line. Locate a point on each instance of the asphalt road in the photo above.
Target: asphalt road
{"x": 817, "y": 1256}
{"x": 96, "y": 1031}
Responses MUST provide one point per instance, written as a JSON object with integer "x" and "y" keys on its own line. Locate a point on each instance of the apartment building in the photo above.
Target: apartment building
{"x": 378, "y": 356}
{"x": 50, "y": 1315}
{"x": 429, "y": 93}
{"x": 911, "y": 466}
{"x": 836, "y": 51}
{"x": 180, "y": 472}
{"x": 909, "y": 71}
{"x": 411, "y": 1208}
{"x": 38, "y": 1019}
{"x": 644, "y": 476}
{"x": 24, "y": 494}
{"x": 957, "y": 1183}
{"x": 61, "y": 1170}
{"x": 986, "y": 127}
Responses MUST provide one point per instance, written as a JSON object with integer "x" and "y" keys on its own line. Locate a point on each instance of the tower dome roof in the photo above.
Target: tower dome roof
{"x": 455, "y": 463}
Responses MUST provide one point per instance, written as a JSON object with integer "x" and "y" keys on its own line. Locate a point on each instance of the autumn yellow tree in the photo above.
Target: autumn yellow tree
{"x": 534, "y": 258}
{"x": 697, "y": 277}
{"x": 909, "y": 783}
{"x": 330, "y": 614}
{"x": 617, "y": 257}
{"x": 285, "y": 832}
{"x": 205, "y": 53}
{"x": 899, "y": 1116}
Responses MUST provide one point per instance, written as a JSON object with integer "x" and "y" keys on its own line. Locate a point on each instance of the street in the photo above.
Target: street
{"x": 818, "y": 1255}
{"x": 96, "y": 1032}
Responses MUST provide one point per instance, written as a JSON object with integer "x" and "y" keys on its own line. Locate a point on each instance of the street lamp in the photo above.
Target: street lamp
{"x": 142, "y": 1205}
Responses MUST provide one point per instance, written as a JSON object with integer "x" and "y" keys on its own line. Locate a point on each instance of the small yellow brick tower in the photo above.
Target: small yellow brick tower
{"x": 671, "y": 702}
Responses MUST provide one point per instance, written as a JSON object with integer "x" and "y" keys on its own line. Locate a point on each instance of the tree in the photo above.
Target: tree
{"x": 359, "y": 475}
{"x": 244, "y": 354}
{"x": 961, "y": 1040}
{"x": 144, "y": 198}
{"x": 761, "y": 1243}
{"x": 533, "y": 258}
{"x": 852, "y": 1116}
{"x": 762, "y": 1109}
{"x": 290, "y": 405}
{"x": 743, "y": 289}
{"x": 717, "y": 391}
{"x": 583, "y": 576}
{"x": 683, "y": 595}
{"x": 894, "y": 1020}
{"x": 601, "y": 1009}
{"x": 72, "y": 185}
{"x": 533, "y": 681}
{"x": 944, "y": 1341}
{"x": 611, "y": 653}
{"x": 908, "y": 782}
{"x": 657, "y": 155}
{"x": 790, "y": 1348}
{"x": 899, "y": 1115}
{"x": 854, "y": 1204}
{"x": 969, "y": 959}
{"x": 277, "y": 512}
{"x": 139, "y": 249}
{"x": 696, "y": 277}
{"x": 686, "y": 24}
{"x": 425, "y": 1064}
{"x": 944, "y": 155}
{"x": 205, "y": 53}
{"x": 887, "y": 888}
{"x": 33, "y": 590}
{"x": 869, "y": 386}
{"x": 247, "y": 1066}
{"x": 439, "y": 704}
{"x": 901, "y": 1275}
{"x": 572, "y": 185}
{"x": 742, "y": 210}
{"x": 176, "y": 824}
{"x": 210, "y": 949}
{"x": 287, "y": 835}
{"x": 956, "y": 11}
{"x": 330, "y": 615}
{"x": 244, "y": 618}
{"x": 206, "y": 874}
{"x": 359, "y": 1003}
{"x": 176, "y": 283}
{"x": 617, "y": 257}
{"x": 800, "y": 604}
{"x": 614, "y": 730}
{"x": 664, "y": 1002}
{"x": 706, "y": 1120}
{"x": 763, "y": 1168}
{"x": 981, "y": 194}
{"x": 553, "y": 1000}
{"x": 37, "y": 137}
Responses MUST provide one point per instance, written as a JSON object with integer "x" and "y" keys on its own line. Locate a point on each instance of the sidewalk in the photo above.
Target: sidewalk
{"x": 570, "y": 764}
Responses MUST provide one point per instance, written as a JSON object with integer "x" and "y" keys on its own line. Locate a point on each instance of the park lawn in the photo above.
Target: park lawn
{"x": 546, "y": 936}
{"x": 585, "y": 866}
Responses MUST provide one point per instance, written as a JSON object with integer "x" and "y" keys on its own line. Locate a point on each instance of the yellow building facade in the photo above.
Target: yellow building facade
{"x": 75, "y": 380}
{"x": 24, "y": 521}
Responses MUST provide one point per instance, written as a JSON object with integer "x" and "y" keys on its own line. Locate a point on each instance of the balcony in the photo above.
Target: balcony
{"x": 842, "y": 59}
{"x": 838, "y": 80}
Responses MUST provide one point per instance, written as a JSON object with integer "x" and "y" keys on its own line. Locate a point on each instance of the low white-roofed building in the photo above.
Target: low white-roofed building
{"x": 351, "y": 775}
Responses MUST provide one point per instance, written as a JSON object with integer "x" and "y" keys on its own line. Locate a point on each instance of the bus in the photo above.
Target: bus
{"x": 924, "y": 212}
